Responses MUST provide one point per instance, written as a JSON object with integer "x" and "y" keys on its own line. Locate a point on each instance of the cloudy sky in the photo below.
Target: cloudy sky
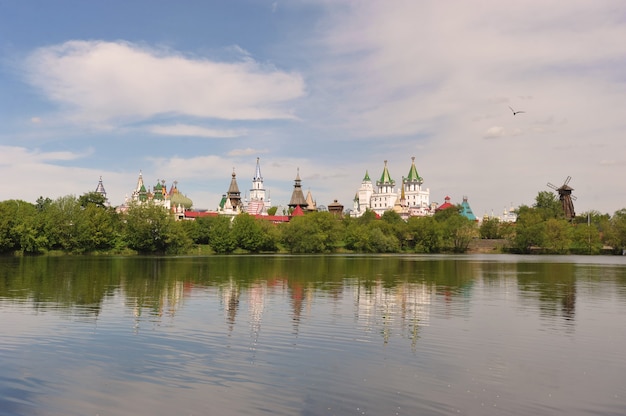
{"x": 188, "y": 91}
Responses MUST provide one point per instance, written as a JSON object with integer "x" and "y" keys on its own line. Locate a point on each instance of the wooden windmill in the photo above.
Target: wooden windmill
{"x": 566, "y": 197}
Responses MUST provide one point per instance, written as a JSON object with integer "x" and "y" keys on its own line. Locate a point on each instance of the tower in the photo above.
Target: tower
{"x": 297, "y": 197}
{"x": 385, "y": 197}
{"x": 259, "y": 201}
{"x": 100, "y": 190}
{"x": 233, "y": 195}
{"x": 417, "y": 198}
{"x": 140, "y": 194}
{"x": 364, "y": 194}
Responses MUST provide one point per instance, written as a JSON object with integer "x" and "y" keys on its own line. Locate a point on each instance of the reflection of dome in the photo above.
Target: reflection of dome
{"x": 179, "y": 199}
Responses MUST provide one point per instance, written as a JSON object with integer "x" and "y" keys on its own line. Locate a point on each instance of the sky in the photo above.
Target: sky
{"x": 193, "y": 91}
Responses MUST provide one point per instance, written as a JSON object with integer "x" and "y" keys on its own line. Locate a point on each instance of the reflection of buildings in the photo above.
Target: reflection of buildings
{"x": 379, "y": 306}
{"x": 230, "y": 298}
{"x": 256, "y": 299}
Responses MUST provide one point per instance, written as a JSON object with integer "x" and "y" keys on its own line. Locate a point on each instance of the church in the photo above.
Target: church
{"x": 411, "y": 199}
{"x": 172, "y": 200}
{"x": 256, "y": 204}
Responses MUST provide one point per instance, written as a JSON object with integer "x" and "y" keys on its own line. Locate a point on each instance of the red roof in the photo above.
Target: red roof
{"x": 297, "y": 212}
{"x": 446, "y": 204}
{"x": 198, "y": 214}
{"x": 272, "y": 218}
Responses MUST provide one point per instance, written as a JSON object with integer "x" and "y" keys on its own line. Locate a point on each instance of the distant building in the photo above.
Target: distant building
{"x": 172, "y": 200}
{"x": 311, "y": 204}
{"x": 297, "y": 197}
{"x": 465, "y": 208}
{"x": 336, "y": 209}
{"x": 410, "y": 200}
{"x": 508, "y": 215}
{"x": 230, "y": 203}
{"x": 259, "y": 201}
{"x": 100, "y": 190}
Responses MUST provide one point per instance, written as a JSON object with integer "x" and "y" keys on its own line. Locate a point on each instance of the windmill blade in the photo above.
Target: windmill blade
{"x": 573, "y": 197}
{"x": 569, "y": 178}
{"x": 552, "y": 186}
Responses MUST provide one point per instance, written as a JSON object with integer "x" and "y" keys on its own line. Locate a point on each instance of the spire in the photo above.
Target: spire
{"x": 297, "y": 197}
{"x": 367, "y": 177}
{"x": 466, "y": 210}
{"x": 234, "y": 196}
{"x": 385, "y": 178}
{"x": 100, "y": 189}
{"x": 311, "y": 205}
{"x": 257, "y": 174}
{"x": 413, "y": 176}
{"x": 140, "y": 184}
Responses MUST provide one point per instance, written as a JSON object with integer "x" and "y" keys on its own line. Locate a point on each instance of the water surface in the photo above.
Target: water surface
{"x": 313, "y": 335}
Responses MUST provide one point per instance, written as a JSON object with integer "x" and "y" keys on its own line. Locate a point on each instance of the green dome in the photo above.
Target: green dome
{"x": 179, "y": 199}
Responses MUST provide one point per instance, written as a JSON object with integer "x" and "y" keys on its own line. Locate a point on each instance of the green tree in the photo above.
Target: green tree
{"x": 177, "y": 241}
{"x": 356, "y": 237}
{"x": 548, "y": 205}
{"x": 425, "y": 234}
{"x": 248, "y": 233}
{"x": 62, "y": 224}
{"x": 270, "y": 234}
{"x": 272, "y": 210}
{"x": 14, "y": 214}
{"x": 558, "y": 235}
{"x": 200, "y": 229}
{"x": 96, "y": 229}
{"x": 529, "y": 230}
{"x": 586, "y": 239}
{"x": 617, "y": 234}
{"x": 221, "y": 237}
{"x": 395, "y": 227}
{"x": 375, "y": 237}
{"x": 317, "y": 232}
{"x": 490, "y": 229}
{"x": 457, "y": 230}
{"x": 92, "y": 198}
{"x": 147, "y": 227}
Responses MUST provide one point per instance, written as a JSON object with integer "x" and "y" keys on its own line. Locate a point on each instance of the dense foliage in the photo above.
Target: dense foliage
{"x": 86, "y": 225}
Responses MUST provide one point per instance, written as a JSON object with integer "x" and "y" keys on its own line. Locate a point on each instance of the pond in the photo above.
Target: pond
{"x": 313, "y": 335}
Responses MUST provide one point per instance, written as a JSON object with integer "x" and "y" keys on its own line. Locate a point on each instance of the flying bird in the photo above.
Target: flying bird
{"x": 516, "y": 112}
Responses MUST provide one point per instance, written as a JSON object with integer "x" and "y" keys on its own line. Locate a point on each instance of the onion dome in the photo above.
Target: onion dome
{"x": 177, "y": 199}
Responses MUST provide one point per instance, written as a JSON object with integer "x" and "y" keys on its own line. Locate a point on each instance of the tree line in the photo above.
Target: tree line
{"x": 85, "y": 224}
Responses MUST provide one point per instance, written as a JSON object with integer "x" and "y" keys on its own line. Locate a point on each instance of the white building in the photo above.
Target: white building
{"x": 259, "y": 201}
{"x": 411, "y": 199}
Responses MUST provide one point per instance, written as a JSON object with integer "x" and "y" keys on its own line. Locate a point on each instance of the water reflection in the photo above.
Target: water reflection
{"x": 385, "y": 288}
{"x": 312, "y": 335}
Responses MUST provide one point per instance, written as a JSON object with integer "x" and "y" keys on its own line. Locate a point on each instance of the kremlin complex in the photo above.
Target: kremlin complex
{"x": 407, "y": 198}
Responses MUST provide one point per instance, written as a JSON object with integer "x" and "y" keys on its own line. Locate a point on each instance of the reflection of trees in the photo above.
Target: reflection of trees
{"x": 552, "y": 284}
{"x": 392, "y": 296}
{"x": 58, "y": 283}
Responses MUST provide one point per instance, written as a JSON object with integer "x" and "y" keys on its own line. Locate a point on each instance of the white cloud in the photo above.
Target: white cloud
{"x": 494, "y": 132}
{"x": 12, "y": 155}
{"x": 195, "y": 131}
{"x": 37, "y": 174}
{"x": 443, "y": 74}
{"x": 99, "y": 82}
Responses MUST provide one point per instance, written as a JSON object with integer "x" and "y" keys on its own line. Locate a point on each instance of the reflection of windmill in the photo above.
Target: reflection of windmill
{"x": 566, "y": 197}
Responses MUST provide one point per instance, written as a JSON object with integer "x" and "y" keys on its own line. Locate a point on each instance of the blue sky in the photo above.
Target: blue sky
{"x": 188, "y": 91}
